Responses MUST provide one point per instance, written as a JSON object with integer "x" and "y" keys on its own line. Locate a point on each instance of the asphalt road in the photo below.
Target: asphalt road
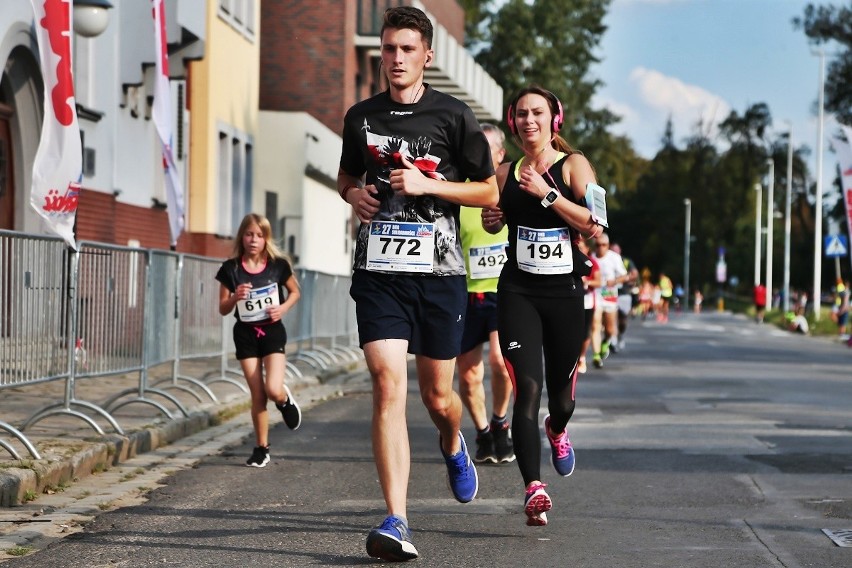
{"x": 710, "y": 441}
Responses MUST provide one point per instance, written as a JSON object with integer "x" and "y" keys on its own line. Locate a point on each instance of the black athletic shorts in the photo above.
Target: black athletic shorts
{"x": 259, "y": 340}
{"x": 427, "y": 311}
{"x": 480, "y": 319}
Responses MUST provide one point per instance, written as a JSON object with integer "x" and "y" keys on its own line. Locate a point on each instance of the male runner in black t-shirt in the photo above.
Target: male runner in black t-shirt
{"x": 406, "y": 155}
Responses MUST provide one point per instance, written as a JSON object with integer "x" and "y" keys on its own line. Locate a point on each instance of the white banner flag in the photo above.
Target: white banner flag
{"x": 162, "y": 115}
{"x": 58, "y": 165}
{"x": 844, "y": 156}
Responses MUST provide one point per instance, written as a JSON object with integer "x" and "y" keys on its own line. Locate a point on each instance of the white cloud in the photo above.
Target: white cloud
{"x": 618, "y": 108}
{"x": 653, "y": 98}
{"x": 686, "y": 104}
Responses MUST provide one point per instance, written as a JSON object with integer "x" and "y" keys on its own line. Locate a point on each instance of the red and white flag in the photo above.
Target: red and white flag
{"x": 844, "y": 156}
{"x": 162, "y": 115}
{"x": 58, "y": 165}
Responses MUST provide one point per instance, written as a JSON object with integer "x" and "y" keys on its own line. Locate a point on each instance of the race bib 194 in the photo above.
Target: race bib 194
{"x": 401, "y": 246}
{"x": 254, "y": 307}
{"x": 545, "y": 251}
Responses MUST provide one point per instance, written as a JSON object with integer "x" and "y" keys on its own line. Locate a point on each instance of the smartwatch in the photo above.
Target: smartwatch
{"x": 549, "y": 198}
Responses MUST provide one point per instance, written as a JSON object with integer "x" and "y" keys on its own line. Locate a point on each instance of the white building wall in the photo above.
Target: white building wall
{"x": 326, "y": 240}
{"x": 297, "y": 158}
{"x": 113, "y": 77}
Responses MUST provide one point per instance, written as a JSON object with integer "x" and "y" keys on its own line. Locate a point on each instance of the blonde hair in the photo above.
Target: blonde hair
{"x": 271, "y": 249}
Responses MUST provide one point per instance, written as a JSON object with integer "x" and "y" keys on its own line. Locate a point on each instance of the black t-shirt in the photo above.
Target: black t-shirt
{"x": 232, "y": 273}
{"x": 521, "y": 208}
{"x": 440, "y": 135}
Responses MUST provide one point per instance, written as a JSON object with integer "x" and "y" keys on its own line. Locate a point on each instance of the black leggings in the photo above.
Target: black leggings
{"x": 528, "y": 326}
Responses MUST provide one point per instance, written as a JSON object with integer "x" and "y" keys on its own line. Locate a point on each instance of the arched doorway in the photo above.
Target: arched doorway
{"x": 7, "y": 180}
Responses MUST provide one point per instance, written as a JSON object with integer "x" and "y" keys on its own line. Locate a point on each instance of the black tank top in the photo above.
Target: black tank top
{"x": 521, "y": 208}
{"x": 277, "y": 271}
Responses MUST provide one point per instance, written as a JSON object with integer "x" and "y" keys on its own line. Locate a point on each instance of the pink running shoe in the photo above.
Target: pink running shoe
{"x": 561, "y": 452}
{"x": 536, "y": 505}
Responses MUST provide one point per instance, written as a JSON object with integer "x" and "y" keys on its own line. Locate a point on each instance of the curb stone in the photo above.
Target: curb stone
{"x": 77, "y": 459}
{"x": 17, "y": 483}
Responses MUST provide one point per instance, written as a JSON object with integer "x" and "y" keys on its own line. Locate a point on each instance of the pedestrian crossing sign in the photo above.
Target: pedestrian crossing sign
{"x": 835, "y": 245}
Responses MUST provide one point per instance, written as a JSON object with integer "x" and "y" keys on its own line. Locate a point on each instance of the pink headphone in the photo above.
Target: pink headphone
{"x": 558, "y": 117}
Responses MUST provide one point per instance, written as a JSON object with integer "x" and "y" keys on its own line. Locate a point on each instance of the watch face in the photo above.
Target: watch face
{"x": 551, "y": 196}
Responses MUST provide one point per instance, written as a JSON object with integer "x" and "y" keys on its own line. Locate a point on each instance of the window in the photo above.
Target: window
{"x": 224, "y": 223}
{"x": 239, "y": 14}
{"x": 236, "y": 182}
{"x": 235, "y": 179}
{"x": 271, "y": 213}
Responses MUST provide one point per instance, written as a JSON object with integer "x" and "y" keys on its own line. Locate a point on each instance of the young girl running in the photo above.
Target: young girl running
{"x": 253, "y": 282}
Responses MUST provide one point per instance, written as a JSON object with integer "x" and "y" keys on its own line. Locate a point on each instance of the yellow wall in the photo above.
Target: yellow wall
{"x": 224, "y": 89}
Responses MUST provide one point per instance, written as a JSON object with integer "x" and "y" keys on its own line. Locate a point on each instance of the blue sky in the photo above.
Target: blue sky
{"x": 695, "y": 59}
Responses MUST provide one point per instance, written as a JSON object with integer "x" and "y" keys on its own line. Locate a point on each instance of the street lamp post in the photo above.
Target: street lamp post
{"x": 818, "y": 202}
{"x": 787, "y": 204}
{"x": 770, "y": 225}
{"x": 757, "y": 248}
{"x": 91, "y": 17}
{"x": 688, "y": 203}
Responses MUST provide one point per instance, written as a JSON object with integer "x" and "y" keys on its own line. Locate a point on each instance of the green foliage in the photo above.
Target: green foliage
{"x": 831, "y": 26}
{"x": 555, "y": 44}
{"x": 476, "y": 16}
{"x": 720, "y": 186}
{"x": 551, "y": 43}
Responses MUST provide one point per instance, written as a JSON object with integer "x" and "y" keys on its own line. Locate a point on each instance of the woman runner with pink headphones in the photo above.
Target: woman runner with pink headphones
{"x": 540, "y": 291}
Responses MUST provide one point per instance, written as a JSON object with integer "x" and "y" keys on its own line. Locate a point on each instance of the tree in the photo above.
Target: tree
{"x": 823, "y": 24}
{"x": 552, "y": 43}
{"x": 477, "y": 15}
{"x": 720, "y": 188}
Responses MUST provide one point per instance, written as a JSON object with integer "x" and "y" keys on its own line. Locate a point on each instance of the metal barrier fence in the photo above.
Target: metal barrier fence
{"x": 107, "y": 310}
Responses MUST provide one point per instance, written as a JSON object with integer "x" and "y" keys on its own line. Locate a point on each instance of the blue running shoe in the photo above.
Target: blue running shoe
{"x": 391, "y": 541}
{"x": 561, "y": 452}
{"x": 461, "y": 473}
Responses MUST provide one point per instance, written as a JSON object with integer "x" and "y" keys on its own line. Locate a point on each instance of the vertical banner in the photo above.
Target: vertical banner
{"x": 58, "y": 165}
{"x": 844, "y": 156}
{"x": 162, "y": 115}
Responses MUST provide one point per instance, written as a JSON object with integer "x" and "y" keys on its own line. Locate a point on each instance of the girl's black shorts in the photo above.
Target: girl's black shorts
{"x": 258, "y": 341}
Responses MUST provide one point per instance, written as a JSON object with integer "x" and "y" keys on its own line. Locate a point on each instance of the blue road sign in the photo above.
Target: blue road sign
{"x": 835, "y": 245}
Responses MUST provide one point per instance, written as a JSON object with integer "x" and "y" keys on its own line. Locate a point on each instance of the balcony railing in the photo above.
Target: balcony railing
{"x": 370, "y": 14}
{"x": 453, "y": 69}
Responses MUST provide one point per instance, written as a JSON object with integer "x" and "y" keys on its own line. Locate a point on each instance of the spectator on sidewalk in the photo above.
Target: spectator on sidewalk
{"x": 797, "y": 322}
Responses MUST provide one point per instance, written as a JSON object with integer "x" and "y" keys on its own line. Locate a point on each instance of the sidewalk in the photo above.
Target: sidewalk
{"x": 71, "y": 449}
